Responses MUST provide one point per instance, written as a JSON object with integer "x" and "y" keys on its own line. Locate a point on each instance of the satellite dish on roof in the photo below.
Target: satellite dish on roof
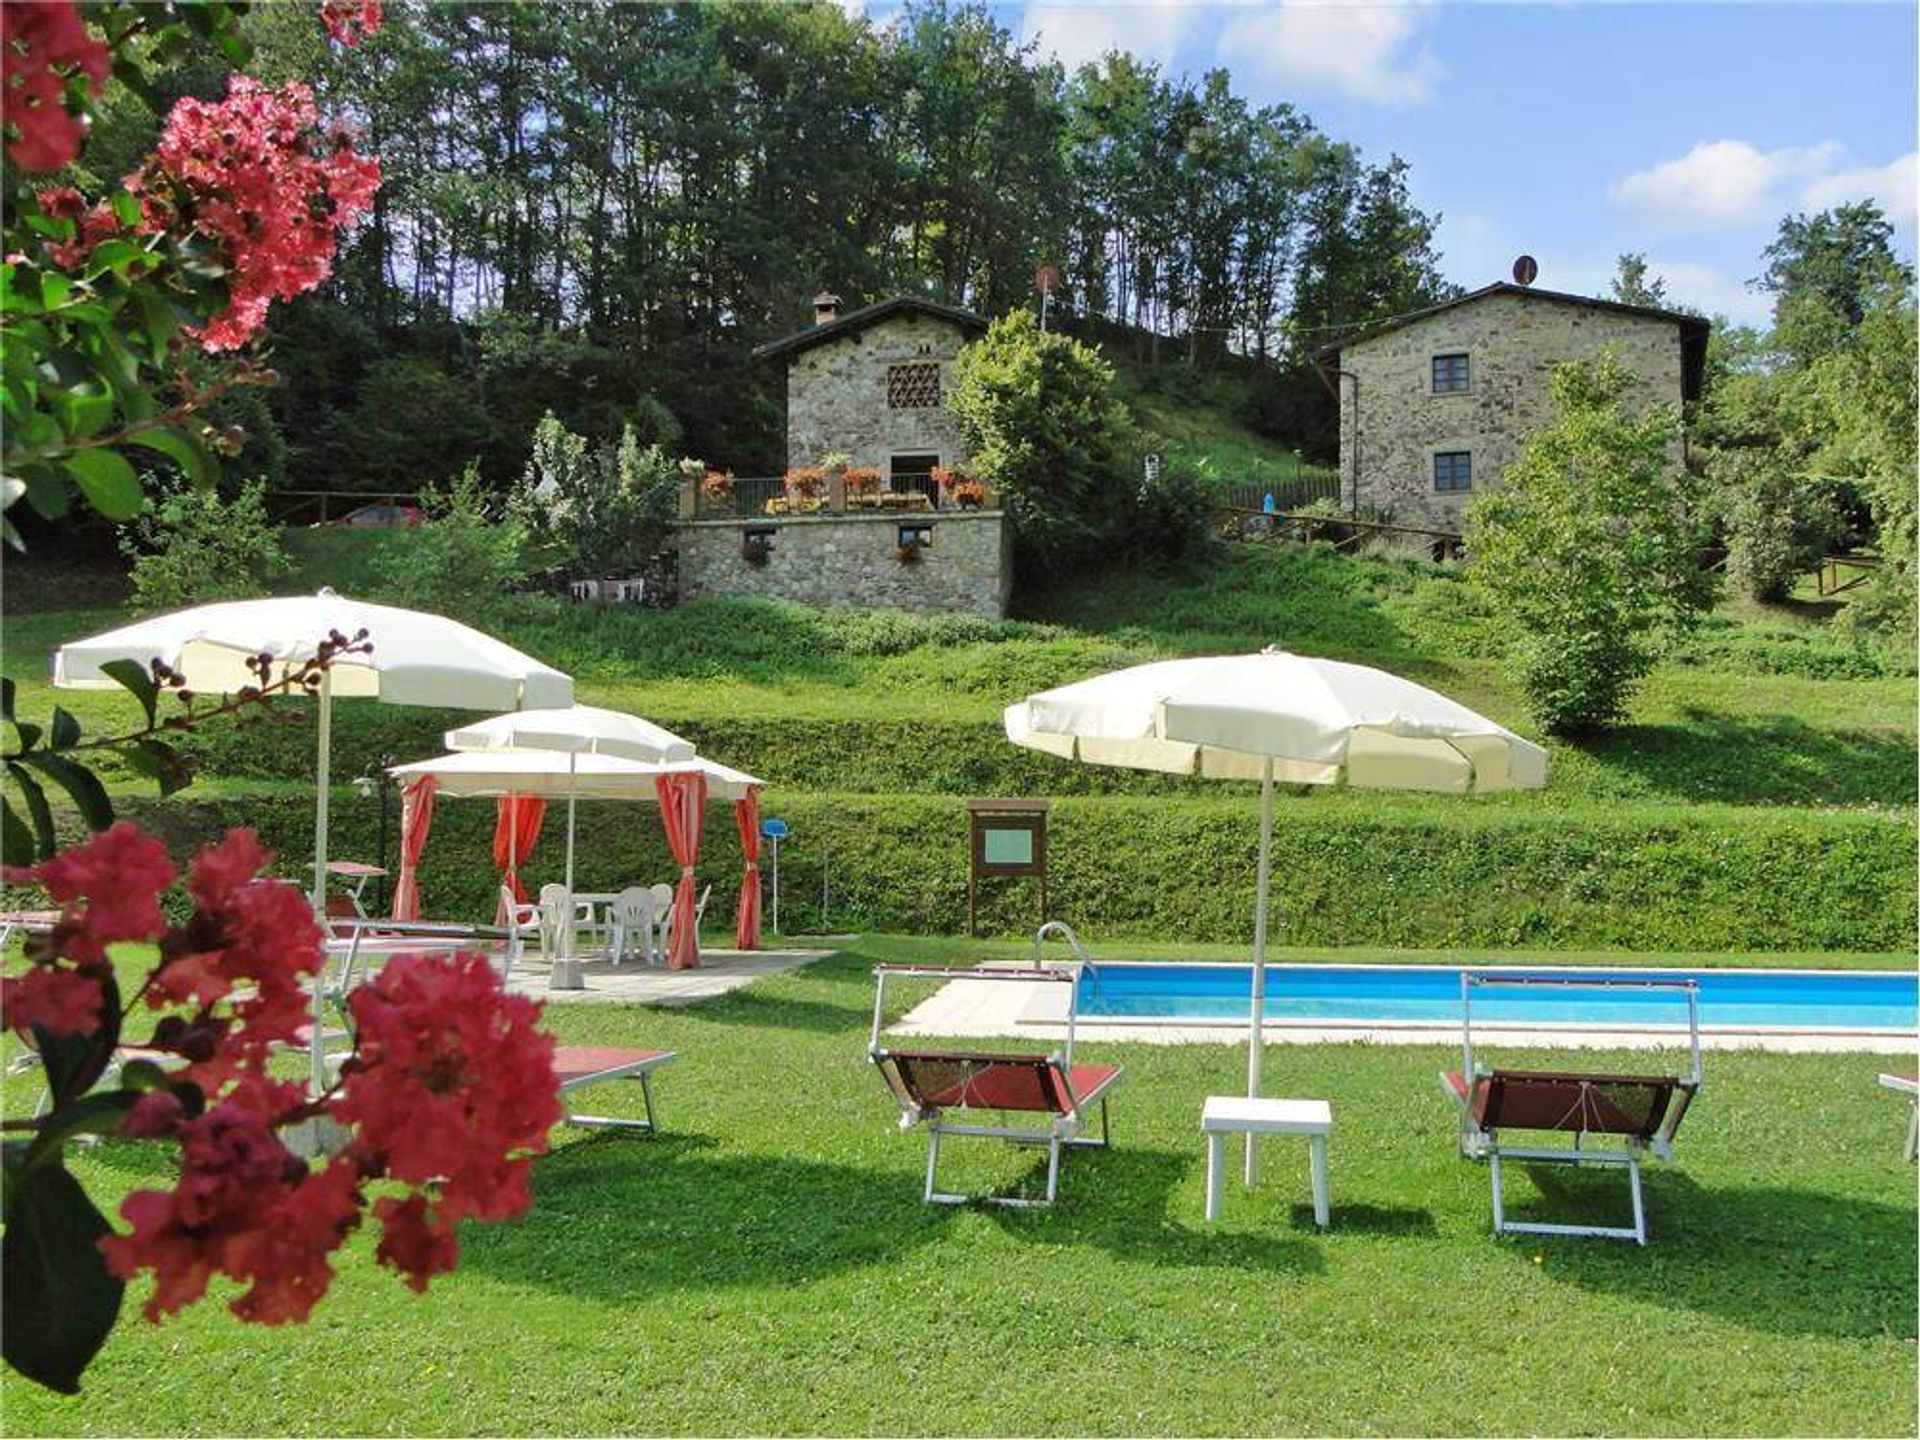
{"x": 1526, "y": 270}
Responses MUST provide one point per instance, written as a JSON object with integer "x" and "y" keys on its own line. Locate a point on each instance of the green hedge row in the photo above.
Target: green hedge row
{"x": 1183, "y": 870}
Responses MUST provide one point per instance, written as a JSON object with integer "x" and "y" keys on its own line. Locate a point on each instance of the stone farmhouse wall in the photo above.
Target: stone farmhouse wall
{"x": 853, "y": 560}
{"x": 1512, "y": 344}
{"x": 837, "y": 395}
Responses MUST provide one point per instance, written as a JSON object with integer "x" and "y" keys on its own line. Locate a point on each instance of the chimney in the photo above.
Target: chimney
{"x": 826, "y": 308}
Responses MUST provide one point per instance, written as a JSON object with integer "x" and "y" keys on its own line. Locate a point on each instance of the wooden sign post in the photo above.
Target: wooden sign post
{"x": 1007, "y": 841}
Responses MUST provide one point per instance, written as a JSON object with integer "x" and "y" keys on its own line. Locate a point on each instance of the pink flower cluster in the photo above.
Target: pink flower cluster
{"x": 349, "y": 22}
{"x": 43, "y": 47}
{"x": 252, "y": 174}
{"x": 448, "y": 1095}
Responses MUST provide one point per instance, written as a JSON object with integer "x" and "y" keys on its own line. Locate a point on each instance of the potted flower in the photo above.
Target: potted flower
{"x": 863, "y": 483}
{"x": 969, "y": 494}
{"x": 716, "y": 488}
{"x": 755, "y": 547}
{"x": 907, "y": 554}
{"x": 805, "y": 484}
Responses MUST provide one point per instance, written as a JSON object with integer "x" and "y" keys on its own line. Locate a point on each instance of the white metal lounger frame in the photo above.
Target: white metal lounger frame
{"x": 1477, "y": 1144}
{"x": 1062, "y": 1131}
{"x": 641, "y": 1070}
{"x": 1911, "y": 1089}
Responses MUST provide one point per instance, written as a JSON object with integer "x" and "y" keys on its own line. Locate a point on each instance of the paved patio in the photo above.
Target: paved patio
{"x": 639, "y": 984}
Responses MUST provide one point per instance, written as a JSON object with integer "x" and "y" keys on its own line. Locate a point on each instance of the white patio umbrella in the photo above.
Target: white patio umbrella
{"x": 576, "y": 730}
{"x": 416, "y": 659}
{"x": 1276, "y": 716}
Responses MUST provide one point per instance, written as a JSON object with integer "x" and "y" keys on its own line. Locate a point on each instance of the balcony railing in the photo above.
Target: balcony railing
{"x": 756, "y": 496}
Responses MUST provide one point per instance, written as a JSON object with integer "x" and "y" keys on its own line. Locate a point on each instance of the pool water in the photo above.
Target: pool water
{"x": 1842, "y": 1000}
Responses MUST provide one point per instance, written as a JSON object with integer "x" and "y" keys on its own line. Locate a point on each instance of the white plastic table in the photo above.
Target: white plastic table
{"x": 1225, "y": 1115}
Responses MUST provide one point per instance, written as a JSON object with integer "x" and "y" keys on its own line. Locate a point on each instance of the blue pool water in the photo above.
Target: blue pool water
{"x": 1403, "y": 995}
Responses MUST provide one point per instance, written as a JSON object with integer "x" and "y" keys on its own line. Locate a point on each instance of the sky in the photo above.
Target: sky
{"x": 1570, "y": 132}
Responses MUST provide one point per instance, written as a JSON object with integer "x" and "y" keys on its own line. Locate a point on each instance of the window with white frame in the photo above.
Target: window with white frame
{"x": 1453, "y": 470}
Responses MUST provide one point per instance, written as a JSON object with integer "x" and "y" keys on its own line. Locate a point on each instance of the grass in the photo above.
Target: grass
{"x": 766, "y": 1266}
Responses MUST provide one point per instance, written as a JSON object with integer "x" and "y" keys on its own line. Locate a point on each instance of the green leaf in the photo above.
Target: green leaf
{"x": 79, "y": 782}
{"x": 162, "y": 764}
{"x": 157, "y": 320}
{"x": 45, "y": 493}
{"x": 136, "y": 678}
{"x": 16, "y": 840}
{"x": 8, "y": 692}
{"x": 83, "y": 410}
{"x": 54, "y": 288}
{"x": 108, "y": 482}
{"x": 97, "y": 1114}
{"x": 66, "y": 730}
{"x": 53, "y": 1280}
{"x": 126, "y": 207}
{"x": 182, "y": 449}
{"x": 45, "y": 837}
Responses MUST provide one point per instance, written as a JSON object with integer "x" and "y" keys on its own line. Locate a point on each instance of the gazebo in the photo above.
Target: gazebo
{"x": 680, "y": 787}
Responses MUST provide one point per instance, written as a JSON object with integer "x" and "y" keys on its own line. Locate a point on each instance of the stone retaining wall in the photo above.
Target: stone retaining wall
{"x": 854, "y": 559}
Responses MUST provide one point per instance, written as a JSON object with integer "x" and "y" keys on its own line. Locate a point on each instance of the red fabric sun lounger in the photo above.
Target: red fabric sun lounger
{"x": 578, "y": 1066}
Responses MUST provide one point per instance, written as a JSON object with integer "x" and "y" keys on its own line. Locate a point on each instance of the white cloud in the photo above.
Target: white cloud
{"x": 1894, "y": 187}
{"x": 1701, "y": 287}
{"x": 1722, "y": 182}
{"x": 1352, "y": 51}
{"x": 1076, "y": 35}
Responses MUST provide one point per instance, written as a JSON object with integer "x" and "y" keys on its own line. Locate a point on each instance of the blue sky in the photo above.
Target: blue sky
{"x": 1571, "y": 131}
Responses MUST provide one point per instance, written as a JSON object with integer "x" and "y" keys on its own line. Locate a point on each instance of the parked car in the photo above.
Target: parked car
{"x": 388, "y": 517}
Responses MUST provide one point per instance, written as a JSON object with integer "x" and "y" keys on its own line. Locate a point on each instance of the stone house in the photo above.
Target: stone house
{"x": 1434, "y": 406}
{"x": 870, "y": 385}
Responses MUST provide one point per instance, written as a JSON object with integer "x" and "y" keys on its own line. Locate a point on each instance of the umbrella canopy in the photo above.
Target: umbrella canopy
{"x": 415, "y": 659}
{"x": 575, "y": 730}
{"x": 579, "y": 729}
{"x": 478, "y": 773}
{"x": 1316, "y": 722}
{"x": 1276, "y": 716}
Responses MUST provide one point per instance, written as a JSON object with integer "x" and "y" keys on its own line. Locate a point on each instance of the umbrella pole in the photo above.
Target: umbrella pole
{"x": 323, "y": 775}
{"x": 573, "y": 767}
{"x": 1255, "y": 1042}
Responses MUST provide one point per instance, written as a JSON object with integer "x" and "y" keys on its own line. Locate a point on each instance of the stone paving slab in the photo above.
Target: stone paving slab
{"x": 639, "y": 984}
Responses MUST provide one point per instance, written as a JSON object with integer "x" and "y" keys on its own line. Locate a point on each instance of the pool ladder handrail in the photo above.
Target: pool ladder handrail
{"x": 1062, "y": 930}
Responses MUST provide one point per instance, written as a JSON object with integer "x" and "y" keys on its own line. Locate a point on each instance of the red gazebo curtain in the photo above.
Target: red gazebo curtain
{"x": 683, "y": 804}
{"x": 746, "y": 819}
{"x": 416, "y": 818}
{"x": 514, "y": 836}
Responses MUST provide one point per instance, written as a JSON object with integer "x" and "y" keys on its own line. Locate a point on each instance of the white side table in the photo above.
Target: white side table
{"x": 1225, "y": 1115}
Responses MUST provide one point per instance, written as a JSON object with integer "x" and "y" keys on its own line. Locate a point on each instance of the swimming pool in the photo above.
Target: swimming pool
{"x": 1429, "y": 995}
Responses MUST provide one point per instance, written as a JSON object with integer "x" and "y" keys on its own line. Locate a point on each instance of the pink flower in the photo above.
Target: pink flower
{"x": 62, "y": 202}
{"x": 119, "y": 873}
{"x": 43, "y": 46}
{"x": 349, "y": 22}
{"x": 412, "y": 1242}
{"x": 253, "y": 174}
{"x": 60, "y": 1002}
{"x": 453, "y": 1083}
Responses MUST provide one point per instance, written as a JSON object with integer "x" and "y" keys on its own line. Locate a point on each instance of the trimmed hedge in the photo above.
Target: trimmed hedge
{"x": 1452, "y": 873}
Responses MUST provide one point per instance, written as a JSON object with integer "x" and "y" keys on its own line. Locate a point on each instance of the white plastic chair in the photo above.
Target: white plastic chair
{"x": 662, "y": 917}
{"x": 558, "y": 922}
{"x": 521, "y": 919}
{"x": 632, "y": 921}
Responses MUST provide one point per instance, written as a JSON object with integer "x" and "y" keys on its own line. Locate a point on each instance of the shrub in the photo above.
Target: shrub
{"x": 1588, "y": 552}
{"x": 1045, "y": 428}
{"x": 1779, "y": 526}
{"x": 194, "y": 546}
{"x": 596, "y": 510}
{"x": 461, "y": 552}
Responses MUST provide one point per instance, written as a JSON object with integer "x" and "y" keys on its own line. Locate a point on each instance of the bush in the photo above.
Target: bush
{"x": 597, "y": 510}
{"x": 1450, "y": 873}
{"x": 460, "y": 555}
{"x": 1588, "y": 552}
{"x": 193, "y": 546}
{"x": 1044, "y": 426}
{"x": 1779, "y": 526}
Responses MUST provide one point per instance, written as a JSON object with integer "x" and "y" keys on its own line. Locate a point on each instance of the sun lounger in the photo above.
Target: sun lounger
{"x": 1908, "y": 1085}
{"x": 929, "y": 1084}
{"x": 579, "y": 1066}
{"x": 1632, "y": 1115}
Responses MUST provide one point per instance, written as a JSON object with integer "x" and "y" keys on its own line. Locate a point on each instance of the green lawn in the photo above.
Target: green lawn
{"x": 767, "y": 1266}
